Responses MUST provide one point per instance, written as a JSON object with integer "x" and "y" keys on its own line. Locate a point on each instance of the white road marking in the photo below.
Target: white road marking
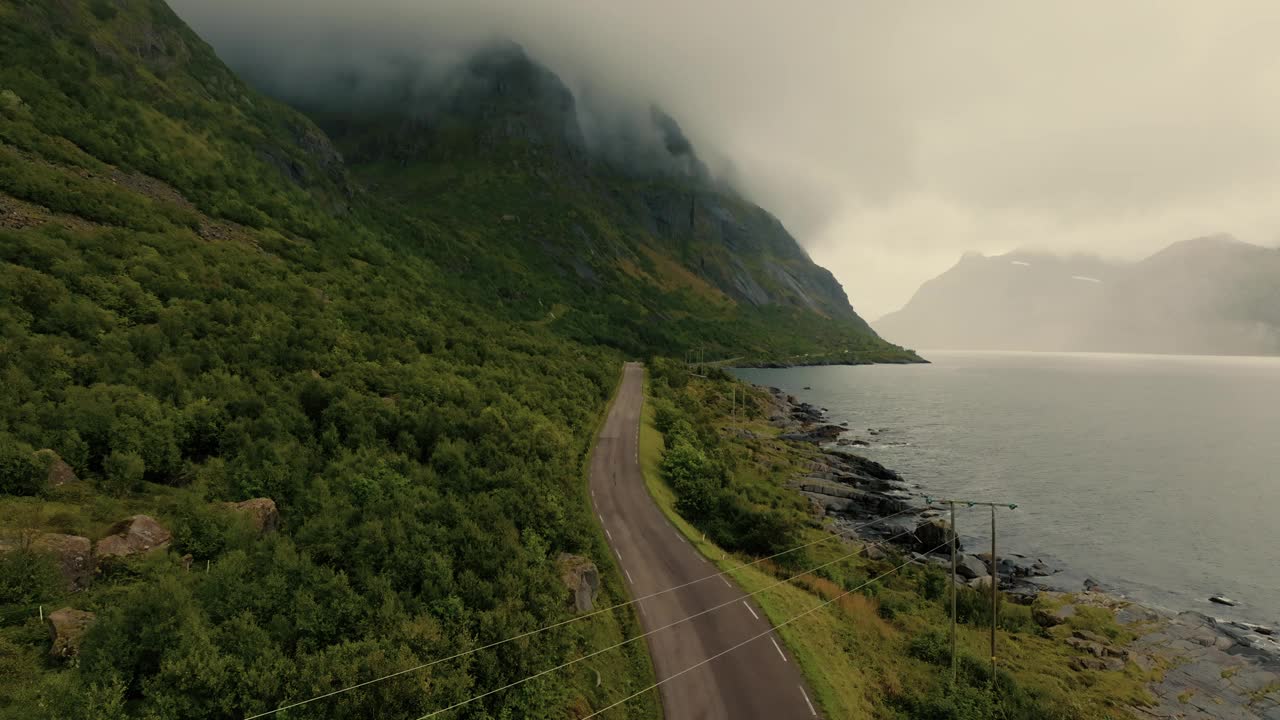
{"x": 593, "y": 493}
{"x": 633, "y": 582}
{"x": 748, "y": 607}
{"x": 606, "y": 532}
{"x": 680, "y": 538}
{"x": 806, "y": 702}
{"x": 601, "y": 518}
{"x": 615, "y": 552}
{"x": 780, "y": 653}
{"x": 726, "y": 582}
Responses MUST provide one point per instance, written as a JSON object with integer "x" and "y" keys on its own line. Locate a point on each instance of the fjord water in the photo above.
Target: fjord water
{"x": 1157, "y": 475}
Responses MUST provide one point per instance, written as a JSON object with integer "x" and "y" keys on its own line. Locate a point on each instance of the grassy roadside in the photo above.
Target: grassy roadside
{"x": 881, "y": 652}
{"x": 840, "y": 688}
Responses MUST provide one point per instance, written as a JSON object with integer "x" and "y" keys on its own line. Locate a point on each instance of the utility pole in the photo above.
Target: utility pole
{"x": 995, "y": 605}
{"x": 955, "y": 536}
{"x": 995, "y": 575}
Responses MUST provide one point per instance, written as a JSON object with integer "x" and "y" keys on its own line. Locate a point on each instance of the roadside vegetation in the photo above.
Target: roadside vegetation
{"x": 881, "y": 648}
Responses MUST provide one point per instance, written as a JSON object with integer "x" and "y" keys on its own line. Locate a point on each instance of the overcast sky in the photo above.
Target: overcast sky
{"x": 891, "y": 136}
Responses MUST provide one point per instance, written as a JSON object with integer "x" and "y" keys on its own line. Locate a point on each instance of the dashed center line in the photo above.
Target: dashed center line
{"x": 633, "y": 582}
{"x": 806, "y": 702}
{"x": 726, "y": 582}
{"x": 615, "y": 552}
{"x": 606, "y": 532}
{"x": 748, "y": 607}
{"x": 780, "y": 653}
{"x": 601, "y": 518}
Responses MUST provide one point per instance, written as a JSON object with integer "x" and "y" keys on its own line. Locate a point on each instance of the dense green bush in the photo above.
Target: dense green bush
{"x": 27, "y": 576}
{"x": 21, "y": 472}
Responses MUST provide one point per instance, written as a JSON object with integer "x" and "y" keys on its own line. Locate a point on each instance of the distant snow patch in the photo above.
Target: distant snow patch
{"x": 1019, "y": 262}
{"x": 1085, "y": 278}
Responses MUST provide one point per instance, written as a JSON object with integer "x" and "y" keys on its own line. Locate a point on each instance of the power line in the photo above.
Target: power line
{"x": 750, "y": 639}
{"x": 563, "y": 622}
{"x": 615, "y": 646}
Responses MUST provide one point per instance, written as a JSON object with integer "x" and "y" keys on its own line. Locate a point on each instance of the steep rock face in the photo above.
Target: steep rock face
{"x": 739, "y": 248}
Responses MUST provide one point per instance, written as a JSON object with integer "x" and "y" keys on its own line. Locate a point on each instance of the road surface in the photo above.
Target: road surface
{"x": 758, "y": 680}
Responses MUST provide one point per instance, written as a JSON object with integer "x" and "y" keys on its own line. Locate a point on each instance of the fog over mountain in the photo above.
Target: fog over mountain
{"x": 889, "y": 137}
{"x": 1212, "y": 296}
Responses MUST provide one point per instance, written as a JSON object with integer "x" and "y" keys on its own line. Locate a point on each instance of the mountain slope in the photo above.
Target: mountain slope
{"x": 195, "y": 309}
{"x": 645, "y": 253}
{"x": 1212, "y": 295}
{"x": 201, "y": 302}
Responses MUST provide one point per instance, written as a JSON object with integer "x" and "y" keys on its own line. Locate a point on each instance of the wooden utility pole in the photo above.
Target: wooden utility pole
{"x": 995, "y": 576}
{"x": 995, "y": 583}
{"x": 955, "y": 537}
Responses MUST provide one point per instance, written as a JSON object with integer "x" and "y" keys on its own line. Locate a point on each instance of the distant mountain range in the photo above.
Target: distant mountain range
{"x": 1210, "y": 295}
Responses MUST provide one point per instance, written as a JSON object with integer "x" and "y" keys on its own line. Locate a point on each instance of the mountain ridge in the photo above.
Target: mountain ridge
{"x": 1208, "y": 295}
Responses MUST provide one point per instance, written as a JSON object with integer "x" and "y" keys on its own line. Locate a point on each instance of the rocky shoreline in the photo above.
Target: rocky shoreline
{"x": 1215, "y": 669}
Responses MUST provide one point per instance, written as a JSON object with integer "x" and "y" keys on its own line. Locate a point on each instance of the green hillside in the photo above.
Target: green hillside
{"x": 201, "y": 302}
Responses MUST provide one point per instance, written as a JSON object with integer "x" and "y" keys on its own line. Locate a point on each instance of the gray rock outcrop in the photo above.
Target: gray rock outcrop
{"x": 934, "y": 534}
{"x": 60, "y": 473}
{"x": 72, "y": 554}
{"x": 133, "y": 536}
{"x": 66, "y": 630}
{"x": 583, "y": 580}
{"x": 261, "y": 511}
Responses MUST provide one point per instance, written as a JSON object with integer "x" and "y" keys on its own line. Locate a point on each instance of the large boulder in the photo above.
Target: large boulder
{"x": 934, "y": 534}
{"x": 66, "y": 629}
{"x": 60, "y": 473}
{"x": 583, "y": 580}
{"x": 133, "y": 536}
{"x": 970, "y": 567}
{"x": 74, "y": 555}
{"x": 261, "y": 511}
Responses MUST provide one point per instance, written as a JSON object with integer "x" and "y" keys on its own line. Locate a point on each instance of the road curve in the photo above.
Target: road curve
{"x": 758, "y": 680}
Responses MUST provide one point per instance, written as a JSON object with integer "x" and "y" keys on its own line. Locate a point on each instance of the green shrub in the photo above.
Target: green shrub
{"x": 124, "y": 472}
{"x": 27, "y": 576}
{"x": 931, "y": 646}
{"x": 21, "y": 472}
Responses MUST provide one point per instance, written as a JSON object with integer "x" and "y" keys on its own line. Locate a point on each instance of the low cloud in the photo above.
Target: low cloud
{"x": 890, "y": 137}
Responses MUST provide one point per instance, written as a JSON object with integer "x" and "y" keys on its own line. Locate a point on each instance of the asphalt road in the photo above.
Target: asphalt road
{"x": 758, "y": 680}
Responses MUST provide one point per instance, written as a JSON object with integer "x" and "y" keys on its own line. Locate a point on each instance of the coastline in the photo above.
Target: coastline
{"x": 1214, "y": 668}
